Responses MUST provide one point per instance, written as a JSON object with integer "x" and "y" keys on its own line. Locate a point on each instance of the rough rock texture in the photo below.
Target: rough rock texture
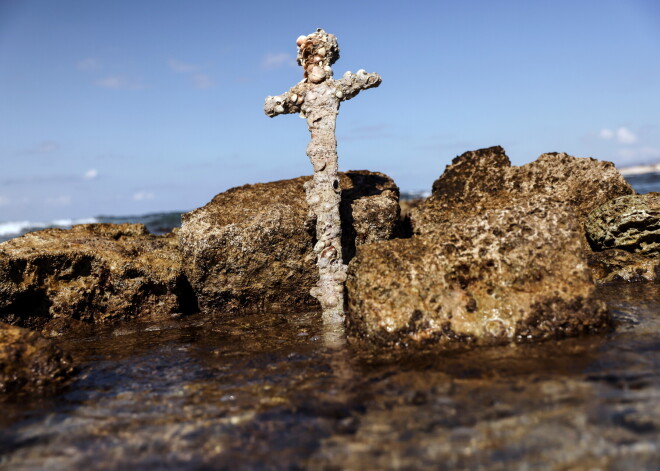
{"x": 630, "y": 223}
{"x": 483, "y": 179}
{"x": 317, "y": 98}
{"x": 498, "y": 255}
{"x": 616, "y": 265}
{"x": 91, "y": 273}
{"x": 27, "y": 360}
{"x": 517, "y": 273}
{"x": 252, "y": 247}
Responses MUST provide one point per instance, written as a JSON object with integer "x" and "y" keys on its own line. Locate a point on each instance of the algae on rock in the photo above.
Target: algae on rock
{"x": 629, "y": 223}
{"x": 625, "y": 236}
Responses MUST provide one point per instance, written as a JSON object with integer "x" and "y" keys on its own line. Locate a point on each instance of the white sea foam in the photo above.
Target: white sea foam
{"x": 640, "y": 169}
{"x": 15, "y": 228}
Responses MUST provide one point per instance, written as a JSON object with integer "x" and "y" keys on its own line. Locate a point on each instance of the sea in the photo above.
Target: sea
{"x": 156, "y": 223}
{"x": 161, "y": 223}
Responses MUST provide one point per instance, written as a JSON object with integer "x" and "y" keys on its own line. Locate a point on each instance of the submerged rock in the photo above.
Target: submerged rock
{"x": 28, "y": 361}
{"x": 91, "y": 273}
{"x": 251, "y": 247}
{"x": 485, "y": 179}
{"x": 505, "y": 274}
{"x": 631, "y": 223}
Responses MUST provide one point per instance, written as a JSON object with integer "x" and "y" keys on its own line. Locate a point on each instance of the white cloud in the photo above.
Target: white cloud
{"x": 89, "y": 64}
{"x": 202, "y": 81}
{"x": 91, "y": 174}
{"x": 118, "y": 82}
{"x": 274, "y": 60}
{"x": 62, "y": 200}
{"x": 4, "y": 201}
{"x": 143, "y": 195}
{"x": 182, "y": 67}
{"x": 625, "y": 136}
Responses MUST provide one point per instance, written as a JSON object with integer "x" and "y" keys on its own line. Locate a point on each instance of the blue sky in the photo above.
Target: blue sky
{"x": 129, "y": 107}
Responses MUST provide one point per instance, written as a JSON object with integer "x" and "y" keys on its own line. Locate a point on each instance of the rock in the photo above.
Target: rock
{"x": 501, "y": 275}
{"x": 250, "y": 248}
{"x": 91, "y": 273}
{"x": 28, "y": 361}
{"x": 631, "y": 223}
{"x": 616, "y": 265}
{"x": 483, "y": 179}
{"x": 406, "y": 208}
{"x": 497, "y": 255}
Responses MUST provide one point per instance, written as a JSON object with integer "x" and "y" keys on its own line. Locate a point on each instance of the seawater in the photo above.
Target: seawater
{"x": 156, "y": 223}
{"x": 645, "y": 183}
{"x": 278, "y": 391}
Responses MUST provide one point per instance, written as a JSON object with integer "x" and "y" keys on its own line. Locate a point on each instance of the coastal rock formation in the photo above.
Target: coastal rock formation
{"x": 630, "y": 223}
{"x": 484, "y": 178}
{"x": 498, "y": 255}
{"x": 252, "y": 247}
{"x": 501, "y": 275}
{"x": 91, "y": 273}
{"x": 27, "y": 360}
{"x": 615, "y": 265}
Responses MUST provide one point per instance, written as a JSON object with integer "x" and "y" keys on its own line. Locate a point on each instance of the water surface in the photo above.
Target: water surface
{"x": 277, "y": 391}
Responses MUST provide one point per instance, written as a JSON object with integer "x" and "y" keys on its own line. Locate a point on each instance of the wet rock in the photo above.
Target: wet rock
{"x": 631, "y": 223}
{"x": 251, "y": 247}
{"x": 504, "y": 274}
{"x": 482, "y": 179}
{"x": 91, "y": 273}
{"x": 29, "y": 361}
{"x": 498, "y": 255}
{"x": 616, "y": 265}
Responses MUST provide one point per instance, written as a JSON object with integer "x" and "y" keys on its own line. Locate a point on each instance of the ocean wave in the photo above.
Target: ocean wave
{"x": 156, "y": 223}
{"x": 11, "y": 229}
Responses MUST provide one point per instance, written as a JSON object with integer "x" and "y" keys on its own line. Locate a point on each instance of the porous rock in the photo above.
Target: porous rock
{"x": 484, "y": 178}
{"x": 91, "y": 273}
{"x": 29, "y": 361}
{"x": 630, "y": 223}
{"x": 616, "y": 265}
{"x": 251, "y": 247}
{"x": 501, "y": 275}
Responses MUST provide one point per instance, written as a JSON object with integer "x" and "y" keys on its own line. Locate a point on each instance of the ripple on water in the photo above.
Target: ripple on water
{"x": 283, "y": 392}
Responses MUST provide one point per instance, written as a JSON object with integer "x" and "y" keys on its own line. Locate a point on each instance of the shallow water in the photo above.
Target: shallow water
{"x": 278, "y": 392}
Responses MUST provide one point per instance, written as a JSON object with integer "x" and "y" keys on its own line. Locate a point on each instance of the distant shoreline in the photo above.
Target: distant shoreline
{"x": 640, "y": 169}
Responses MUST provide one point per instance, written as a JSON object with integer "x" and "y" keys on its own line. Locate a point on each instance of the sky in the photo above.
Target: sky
{"x": 129, "y": 107}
